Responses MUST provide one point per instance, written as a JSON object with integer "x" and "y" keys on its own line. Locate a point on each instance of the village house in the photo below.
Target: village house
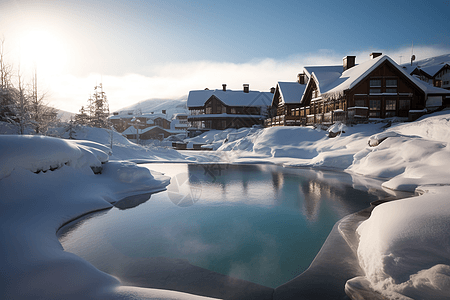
{"x": 433, "y": 70}
{"x": 148, "y": 133}
{"x": 221, "y": 109}
{"x": 375, "y": 89}
{"x": 124, "y": 119}
{"x": 179, "y": 122}
{"x": 286, "y": 103}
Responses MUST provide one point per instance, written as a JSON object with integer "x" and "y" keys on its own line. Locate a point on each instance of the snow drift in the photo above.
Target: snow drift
{"x": 44, "y": 183}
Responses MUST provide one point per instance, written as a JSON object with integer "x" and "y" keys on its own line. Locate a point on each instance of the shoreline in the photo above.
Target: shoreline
{"x": 323, "y": 270}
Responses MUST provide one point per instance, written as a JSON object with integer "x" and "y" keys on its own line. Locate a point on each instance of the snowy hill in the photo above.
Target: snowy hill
{"x": 65, "y": 116}
{"x": 172, "y": 106}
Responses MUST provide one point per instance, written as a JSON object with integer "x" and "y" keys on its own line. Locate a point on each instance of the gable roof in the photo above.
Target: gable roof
{"x": 331, "y": 83}
{"x": 323, "y": 75}
{"x": 433, "y": 70}
{"x": 132, "y": 130}
{"x": 291, "y": 92}
{"x": 431, "y": 65}
{"x": 198, "y": 98}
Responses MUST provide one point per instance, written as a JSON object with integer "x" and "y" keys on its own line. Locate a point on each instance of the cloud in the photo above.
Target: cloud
{"x": 175, "y": 80}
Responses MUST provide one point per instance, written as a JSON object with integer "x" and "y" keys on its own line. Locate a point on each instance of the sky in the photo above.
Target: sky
{"x": 163, "y": 49}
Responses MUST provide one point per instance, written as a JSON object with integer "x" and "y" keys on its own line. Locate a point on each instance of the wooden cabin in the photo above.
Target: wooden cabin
{"x": 221, "y": 109}
{"x": 433, "y": 70}
{"x": 375, "y": 89}
{"x": 286, "y": 103}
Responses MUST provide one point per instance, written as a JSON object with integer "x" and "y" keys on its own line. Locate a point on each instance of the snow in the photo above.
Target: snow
{"x": 324, "y": 75}
{"x": 430, "y": 62}
{"x": 291, "y": 92}
{"x": 403, "y": 247}
{"x": 407, "y": 255}
{"x": 198, "y": 98}
{"x": 34, "y": 206}
{"x": 171, "y": 106}
{"x": 332, "y": 80}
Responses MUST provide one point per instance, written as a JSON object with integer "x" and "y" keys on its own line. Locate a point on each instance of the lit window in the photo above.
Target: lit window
{"x": 375, "y": 104}
{"x": 390, "y": 104}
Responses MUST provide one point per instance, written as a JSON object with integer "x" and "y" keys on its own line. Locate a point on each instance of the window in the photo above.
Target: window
{"x": 375, "y": 104}
{"x": 375, "y": 91}
{"x": 391, "y": 90}
{"x": 375, "y": 82}
{"x": 390, "y": 104}
{"x": 360, "y": 103}
{"x": 374, "y": 108}
{"x": 391, "y": 82}
{"x": 438, "y": 83}
{"x": 404, "y": 104}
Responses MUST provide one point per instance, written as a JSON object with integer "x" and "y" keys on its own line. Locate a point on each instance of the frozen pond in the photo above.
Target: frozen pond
{"x": 261, "y": 223}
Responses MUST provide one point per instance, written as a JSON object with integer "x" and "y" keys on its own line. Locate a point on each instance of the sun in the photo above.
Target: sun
{"x": 42, "y": 51}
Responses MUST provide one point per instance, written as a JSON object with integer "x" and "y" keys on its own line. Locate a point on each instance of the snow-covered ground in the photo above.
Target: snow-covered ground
{"x": 45, "y": 182}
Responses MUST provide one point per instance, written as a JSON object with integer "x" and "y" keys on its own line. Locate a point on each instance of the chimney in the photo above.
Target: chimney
{"x": 224, "y": 87}
{"x": 246, "y": 87}
{"x": 301, "y": 78}
{"x": 349, "y": 61}
{"x": 164, "y": 111}
{"x": 272, "y": 90}
{"x": 375, "y": 55}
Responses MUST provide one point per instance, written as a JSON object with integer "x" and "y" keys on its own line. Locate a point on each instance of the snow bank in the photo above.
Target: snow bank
{"x": 301, "y": 146}
{"x": 408, "y": 154}
{"x": 122, "y": 148}
{"x": 35, "y": 204}
{"x": 407, "y": 254}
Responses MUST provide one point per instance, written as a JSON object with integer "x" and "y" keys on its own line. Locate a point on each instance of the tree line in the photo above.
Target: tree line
{"x": 21, "y": 103}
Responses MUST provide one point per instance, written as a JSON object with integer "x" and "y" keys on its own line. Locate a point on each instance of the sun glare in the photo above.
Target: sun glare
{"x": 43, "y": 51}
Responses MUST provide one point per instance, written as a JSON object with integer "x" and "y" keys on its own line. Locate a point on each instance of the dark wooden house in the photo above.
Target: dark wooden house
{"x": 221, "y": 109}
{"x": 377, "y": 88}
{"x": 286, "y": 103}
{"x": 434, "y": 70}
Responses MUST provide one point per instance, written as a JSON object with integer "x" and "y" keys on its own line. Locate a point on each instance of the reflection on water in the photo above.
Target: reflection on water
{"x": 132, "y": 201}
{"x": 262, "y": 223}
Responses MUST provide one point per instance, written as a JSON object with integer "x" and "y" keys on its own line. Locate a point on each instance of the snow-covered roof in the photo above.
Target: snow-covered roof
{"x": 291, "y": 92}
{"x": 324, "y": 75}
{"x": 330, "y": 82}
{"x": 198, "y": 98}
{"x": 147, "y": 116}
{"x": 179, "y": 115}
{"x": 430, "y": 65}
{"x": 132, "y": 130}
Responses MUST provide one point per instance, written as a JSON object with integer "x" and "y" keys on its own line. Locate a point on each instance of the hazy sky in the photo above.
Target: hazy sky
{"x": 163, "y": 49}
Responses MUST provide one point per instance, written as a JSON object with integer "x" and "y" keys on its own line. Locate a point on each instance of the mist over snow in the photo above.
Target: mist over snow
{"x": 45, "y": 182}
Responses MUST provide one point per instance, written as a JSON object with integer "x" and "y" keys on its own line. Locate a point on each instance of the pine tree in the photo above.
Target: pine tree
{"x": 97, "y": 112}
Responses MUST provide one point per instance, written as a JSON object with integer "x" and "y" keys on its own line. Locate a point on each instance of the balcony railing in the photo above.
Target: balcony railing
{"x": 353, "y": 115}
